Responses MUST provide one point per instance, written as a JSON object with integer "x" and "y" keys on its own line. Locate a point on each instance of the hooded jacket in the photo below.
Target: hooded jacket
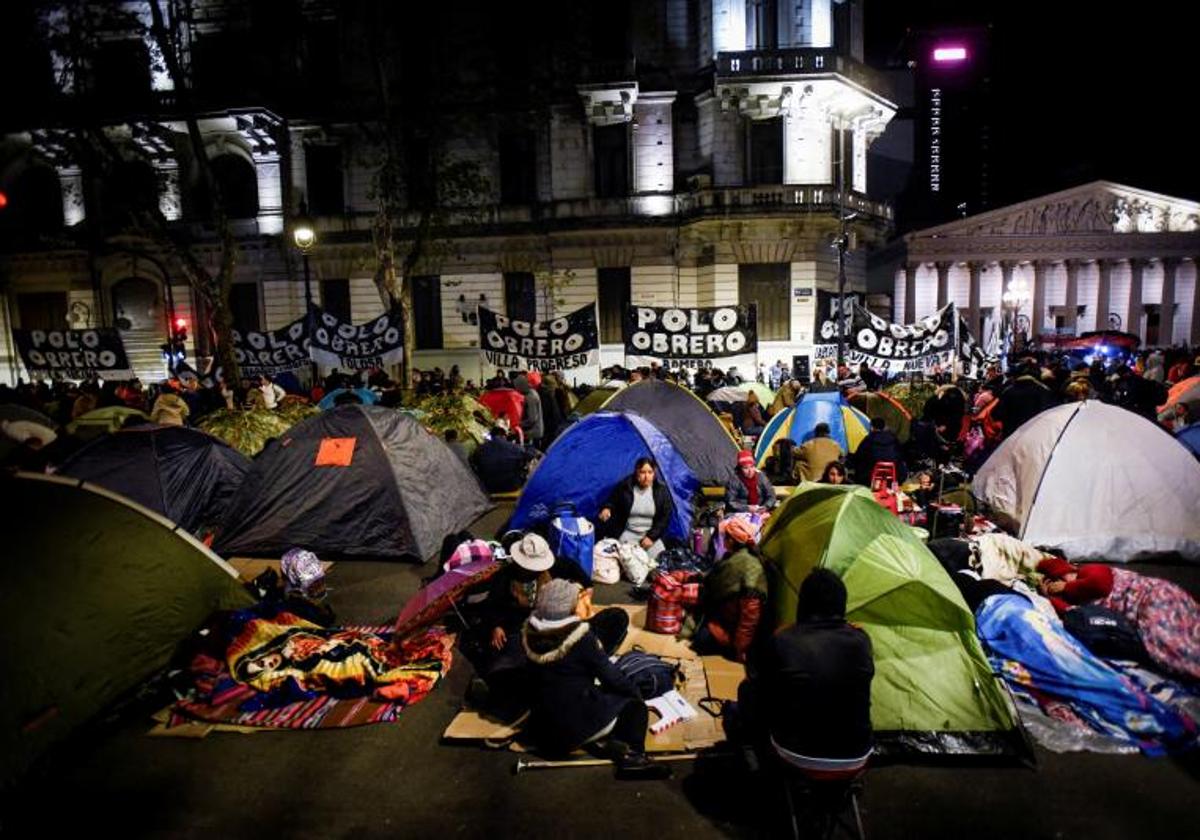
{"x": 576, "y": 692}
{"x": 531, "y": 418}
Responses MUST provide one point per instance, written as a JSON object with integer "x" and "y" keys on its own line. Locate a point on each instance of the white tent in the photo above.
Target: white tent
{"x": 1097, "y": 482}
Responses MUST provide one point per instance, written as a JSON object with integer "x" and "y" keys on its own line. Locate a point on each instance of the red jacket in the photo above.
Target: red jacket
{"x": 1092, "y": 582}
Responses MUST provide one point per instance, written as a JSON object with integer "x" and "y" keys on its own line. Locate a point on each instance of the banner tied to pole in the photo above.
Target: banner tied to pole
{"x": 74, "y": 354}
{"x": 269, "y": 353}
{"x": 376, "y": 343}
{"x": 692, "y": 337}
{"x": 565, "y": 343}
{"x": 890, "y": 348}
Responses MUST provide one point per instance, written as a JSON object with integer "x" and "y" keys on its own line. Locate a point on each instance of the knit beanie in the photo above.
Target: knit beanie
{"x": 556, "y": 600}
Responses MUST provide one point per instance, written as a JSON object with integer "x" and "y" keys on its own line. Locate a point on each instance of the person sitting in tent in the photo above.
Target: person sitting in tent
{"x": 1167, "y": 618}
{"x": 578, "y": 696}
{"x": 735, "y": 595}
{"x": 835, "y": 473}
{"x": 751, "y": 490}
{"x": 811, "y": 698}
{"x": 753, "y": 421}
{"x": 639, "y": 509}
{"x": 500, "y": 465}
{"x": 881, "y": 444}
{"x": 815, "y": 454}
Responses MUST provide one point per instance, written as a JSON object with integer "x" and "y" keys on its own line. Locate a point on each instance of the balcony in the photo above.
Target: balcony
{"x": 800, "y": 62}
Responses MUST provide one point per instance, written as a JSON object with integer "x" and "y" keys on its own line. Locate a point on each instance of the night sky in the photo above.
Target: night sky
{"x": 1082, "y": 91}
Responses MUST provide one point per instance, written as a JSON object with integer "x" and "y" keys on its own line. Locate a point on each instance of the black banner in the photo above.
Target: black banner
{"x": 877, "y": 337}
{"x": 825, "y": 329}
{"x": 356, "y": 347}
{"x": 691, "y": 337}
{"x": 571, "y": 341}
{"x": 74, "y": 354}
{"x": 269, "y": 353}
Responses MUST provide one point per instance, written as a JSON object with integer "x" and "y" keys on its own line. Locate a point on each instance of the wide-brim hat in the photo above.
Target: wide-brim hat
{"x": 532, "y": 553}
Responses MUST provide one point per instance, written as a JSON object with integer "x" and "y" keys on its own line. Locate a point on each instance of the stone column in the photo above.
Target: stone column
{"x": 1166, "y": 325}
{"x": 170, "y": 199}
{"x": 910, "y": 292}
{"x": 943, "y": 281}
{"x": 1071, "y": 320}
{"x": 975, "y": 269}
{"x": 1103, "y": 292}
{"x": 1133, "y": 315}
{"x": 270, "y": 193}
{"x": 1037, "y": 318}
{"x": 70, "y": 182}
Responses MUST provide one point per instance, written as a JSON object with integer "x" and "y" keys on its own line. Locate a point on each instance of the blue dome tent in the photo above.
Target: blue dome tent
{"x": 847, "y": 425}
{"x": 588, "y": 460}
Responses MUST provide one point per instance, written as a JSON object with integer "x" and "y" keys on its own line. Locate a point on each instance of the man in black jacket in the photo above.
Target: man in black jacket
{"x": 501, "y": 465}
{"x": 880, "y": 445}
{"x": 1025, "y": 398}
{"x": 810, "y": 700}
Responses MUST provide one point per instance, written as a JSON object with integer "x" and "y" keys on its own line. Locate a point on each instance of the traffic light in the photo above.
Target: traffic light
{"x": 3, "y": 199}
{"x": 180, "y": 333}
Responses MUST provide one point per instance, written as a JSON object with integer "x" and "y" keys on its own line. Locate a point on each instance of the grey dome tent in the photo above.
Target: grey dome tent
{"x": 184, "y": 474}
{"x": 687, "y": 422}
{"x": 356, "y": 481}
{"x": 98, "y": 593}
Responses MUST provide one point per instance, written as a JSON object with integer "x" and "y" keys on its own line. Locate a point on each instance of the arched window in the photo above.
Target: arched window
{"x": 238, "y": 183}
{"x": 35, "y": 206}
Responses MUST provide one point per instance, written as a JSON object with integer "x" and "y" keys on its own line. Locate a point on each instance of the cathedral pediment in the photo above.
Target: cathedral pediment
{"x": 1099, "y": 207}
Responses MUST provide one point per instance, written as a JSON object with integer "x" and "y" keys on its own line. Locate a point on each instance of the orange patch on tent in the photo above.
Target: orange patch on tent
{"x": 335, "y": 452}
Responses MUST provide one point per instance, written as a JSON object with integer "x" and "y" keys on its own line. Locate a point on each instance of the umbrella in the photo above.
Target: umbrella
{"x": 440, "y": 594}
{"x": 1186, "y": 392}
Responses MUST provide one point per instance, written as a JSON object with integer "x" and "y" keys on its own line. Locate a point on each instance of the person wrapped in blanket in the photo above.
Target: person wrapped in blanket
{"x": 1167, "y": 618}
{"x": 493, "y": 641}
{"x": 578, "y": 697}
{"x": 735, "y": 595}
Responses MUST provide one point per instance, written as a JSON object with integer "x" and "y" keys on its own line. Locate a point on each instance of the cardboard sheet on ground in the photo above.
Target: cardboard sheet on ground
{"x": 248, "y": 568}
{"x": 709, "y": 676}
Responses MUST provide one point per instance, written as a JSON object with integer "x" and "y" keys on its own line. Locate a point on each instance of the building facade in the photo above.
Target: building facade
{"x": 1096, "y": 257}
{"x": 671, "y": 152}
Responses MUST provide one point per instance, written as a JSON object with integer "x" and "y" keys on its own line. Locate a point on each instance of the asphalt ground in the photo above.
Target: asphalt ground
{"x": 398, "y": 780}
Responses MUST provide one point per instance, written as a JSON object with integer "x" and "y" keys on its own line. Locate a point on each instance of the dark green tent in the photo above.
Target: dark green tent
{"x": 98, "y": 593}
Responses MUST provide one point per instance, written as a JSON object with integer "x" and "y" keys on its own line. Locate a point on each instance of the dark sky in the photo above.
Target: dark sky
{"x": 1082, "y": 91}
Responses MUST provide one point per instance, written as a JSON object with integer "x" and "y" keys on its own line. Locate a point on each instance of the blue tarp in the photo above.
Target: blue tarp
{"x": 586, "y": 462}
{"x": 1033, "y": 651}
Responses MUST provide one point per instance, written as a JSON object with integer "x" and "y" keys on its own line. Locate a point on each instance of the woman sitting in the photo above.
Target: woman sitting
{"x": 753, "y": 421}
{"x": 638, "y": 510}
{"x": 578, "y": 696}
{"x": 735, "y": 594}
{"x": 751, "y": 490}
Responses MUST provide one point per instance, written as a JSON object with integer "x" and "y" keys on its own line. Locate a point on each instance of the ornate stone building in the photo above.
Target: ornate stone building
{"x": 684, "y": 152}
{"x": 1099, "y": 256}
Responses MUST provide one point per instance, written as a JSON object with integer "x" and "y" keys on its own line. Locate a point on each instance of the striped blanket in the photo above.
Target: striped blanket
{"x": 314, "y": 678}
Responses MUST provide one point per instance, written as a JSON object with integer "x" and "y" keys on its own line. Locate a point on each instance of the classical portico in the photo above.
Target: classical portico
{"x": 1099, "y": 256}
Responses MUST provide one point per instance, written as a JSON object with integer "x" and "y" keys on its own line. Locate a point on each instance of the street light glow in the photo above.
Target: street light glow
{"x": 947, "y": 54}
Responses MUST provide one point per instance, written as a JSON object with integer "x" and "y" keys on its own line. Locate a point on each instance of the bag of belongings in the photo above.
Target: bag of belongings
{"x": 652, "y": 675}
{"x": 606, "y": 561}
{"x": 670, "y": 594}
{"x": 572, "y": 537}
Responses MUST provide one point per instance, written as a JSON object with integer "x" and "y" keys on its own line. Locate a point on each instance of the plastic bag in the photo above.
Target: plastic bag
{"x": 606, "y": 561}
{"x": 635, "y": 563}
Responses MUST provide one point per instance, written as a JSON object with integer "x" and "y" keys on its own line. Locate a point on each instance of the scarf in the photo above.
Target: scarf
{"x": 751, "y": 486}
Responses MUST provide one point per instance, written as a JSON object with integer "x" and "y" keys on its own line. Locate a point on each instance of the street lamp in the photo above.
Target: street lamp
{"x": 1016, "y": 295}
{"x": 304, "y": 235}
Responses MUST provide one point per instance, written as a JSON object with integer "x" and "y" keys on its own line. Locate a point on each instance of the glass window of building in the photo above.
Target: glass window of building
{"x": 766, "y": 151}
{"x": 520, "y": 303}
{"x": 335, "y": 298}
{"x": 610, "y": 145}
{"x": 613, "y": 286}
{"x": 427, "y": 311}
{"x": 769, "y": 286}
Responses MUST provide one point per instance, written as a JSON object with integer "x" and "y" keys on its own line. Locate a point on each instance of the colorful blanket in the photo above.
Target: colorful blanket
{"x": 285, "y": 672}
{"x": 1035, "y": 655}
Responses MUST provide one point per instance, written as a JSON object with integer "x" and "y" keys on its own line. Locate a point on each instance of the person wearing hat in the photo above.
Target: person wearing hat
{"x": 735, "y": 594}
{"x": 493, "y": 642}
{"x": 577, "y": 696}
{"x": 749, "y": 490}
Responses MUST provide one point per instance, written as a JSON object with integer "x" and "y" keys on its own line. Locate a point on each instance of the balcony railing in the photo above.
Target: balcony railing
{"x": 796, "y": 62}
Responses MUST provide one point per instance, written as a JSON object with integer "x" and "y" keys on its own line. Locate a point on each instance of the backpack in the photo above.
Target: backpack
{"x": 652, "y": 675}
{"x": 1105, "y": 632}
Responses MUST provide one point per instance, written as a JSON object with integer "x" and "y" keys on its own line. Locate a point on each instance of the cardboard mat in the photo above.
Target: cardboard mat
{"x": 708, "y": 676}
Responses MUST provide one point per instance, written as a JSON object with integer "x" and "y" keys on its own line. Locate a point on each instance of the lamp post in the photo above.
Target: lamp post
{"x": 304, "y": 235}
{"x": 1013, "y": 298}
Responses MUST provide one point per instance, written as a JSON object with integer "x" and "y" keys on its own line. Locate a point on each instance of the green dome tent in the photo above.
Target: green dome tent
{"x": 595, "y": 400}
{"x": 98, "y": 593}
{"x": 933, "y": 690}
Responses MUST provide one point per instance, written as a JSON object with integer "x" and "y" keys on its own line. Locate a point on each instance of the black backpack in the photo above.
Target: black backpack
{"x": 1106, "y": 633}
{"x": 653, "y": 676}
